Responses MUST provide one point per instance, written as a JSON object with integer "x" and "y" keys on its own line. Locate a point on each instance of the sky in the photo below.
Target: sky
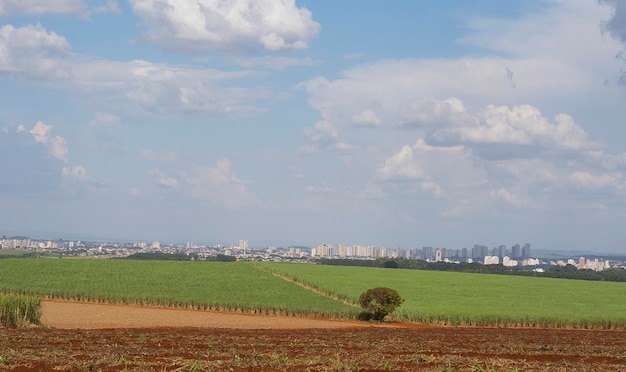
{"x": 395, "y": 124}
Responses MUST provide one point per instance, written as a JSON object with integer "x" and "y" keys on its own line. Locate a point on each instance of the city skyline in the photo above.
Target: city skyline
{"x": 294, "y": 122}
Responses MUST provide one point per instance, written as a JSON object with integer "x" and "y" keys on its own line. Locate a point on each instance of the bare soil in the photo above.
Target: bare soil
{"x": 98, "y": 337}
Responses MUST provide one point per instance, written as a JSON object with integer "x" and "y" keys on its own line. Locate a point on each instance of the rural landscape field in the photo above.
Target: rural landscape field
{"x": 449, "y": 321}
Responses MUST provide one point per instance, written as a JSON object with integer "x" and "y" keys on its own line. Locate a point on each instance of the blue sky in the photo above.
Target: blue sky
{"x": 402, "y": 124}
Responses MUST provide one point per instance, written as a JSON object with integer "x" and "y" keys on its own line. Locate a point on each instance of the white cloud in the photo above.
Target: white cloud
{"x": 508, "y": 154}
{"x": 32, "y": 51}
{"x": 554, "y": 54}
{"x": 324, "y": 137}
{"x": 231, "y": 26}
{"x": 366, "y": 118}
{"x": 435, "y": 169}
{"x": 163, "y": 180}
{"x": 586, "y": 180}
{"x": 71, "y": 7}
{"x": 428, "y": 111}
{"x": 401, "y": 166}
{"x": 519, "y": 125}
{"x": 56, "y": 145}
{"x": 507, "y": 196}
{"x": 217, "y": 185}
{"x": 115, "y": 89}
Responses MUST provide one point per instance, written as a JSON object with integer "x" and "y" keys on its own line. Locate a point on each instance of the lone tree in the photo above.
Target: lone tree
{"x": 380, "y": 301}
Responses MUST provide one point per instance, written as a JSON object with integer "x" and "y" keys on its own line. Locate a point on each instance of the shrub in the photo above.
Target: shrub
{"x": 380, "y": 301}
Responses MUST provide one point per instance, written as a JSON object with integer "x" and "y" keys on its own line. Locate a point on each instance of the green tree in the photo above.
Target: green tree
{"x": 380, "y": 301}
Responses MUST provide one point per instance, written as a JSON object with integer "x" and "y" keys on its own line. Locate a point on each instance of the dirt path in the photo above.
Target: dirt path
{"x": 81, "y": 315}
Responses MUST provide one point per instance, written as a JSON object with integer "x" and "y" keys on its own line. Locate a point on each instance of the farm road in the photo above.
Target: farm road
{"x": 82, "y": 315}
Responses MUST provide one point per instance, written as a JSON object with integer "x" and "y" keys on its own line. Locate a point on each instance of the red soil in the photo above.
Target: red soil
{"x": 96, "y": 337}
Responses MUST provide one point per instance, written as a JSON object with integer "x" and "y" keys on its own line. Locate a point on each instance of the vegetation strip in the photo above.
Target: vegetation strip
{"x": 19, "y": 311}
{"x": 309, "y": 286}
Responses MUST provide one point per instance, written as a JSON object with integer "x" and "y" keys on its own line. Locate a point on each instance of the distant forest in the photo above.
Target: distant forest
{"x": 563, "y": 272}
{"x": 176, "y": 257}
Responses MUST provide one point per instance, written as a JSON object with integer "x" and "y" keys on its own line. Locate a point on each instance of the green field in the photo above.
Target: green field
{"x": 229, "y": 286}
{"x": 476, "y": 299}
{"x": 431, "y": 296}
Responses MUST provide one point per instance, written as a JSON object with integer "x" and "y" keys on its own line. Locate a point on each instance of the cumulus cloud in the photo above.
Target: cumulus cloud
{"x": 135, "y": 88}
{"x": 324, "y": 137}
{"x": 430, "y": 167}
{"x": 217, "y": 185}
{"x": 231, "y": 26}
{"x": 511, "y": 112}
{"x": 56, "y": 145}
{"x": 162, "y": 180}
{"x": 33, "y": 52}
{"x": 587, "y": 180}
{"x": 366, "y": 118}
{"x": 429, "y": 111}
{"x": 522, "y": 125}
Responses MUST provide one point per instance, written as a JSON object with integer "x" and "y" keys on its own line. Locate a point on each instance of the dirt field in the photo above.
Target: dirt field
{"x": 88, "y": 337}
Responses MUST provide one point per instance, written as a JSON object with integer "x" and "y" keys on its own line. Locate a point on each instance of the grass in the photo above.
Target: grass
{"x": 475, "y": 299}
{"x": 229, "y": 286}
{"x": 19, "y": 311}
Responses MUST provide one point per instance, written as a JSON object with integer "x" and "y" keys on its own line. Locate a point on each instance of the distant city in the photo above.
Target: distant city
{"x": 517, "y": 256}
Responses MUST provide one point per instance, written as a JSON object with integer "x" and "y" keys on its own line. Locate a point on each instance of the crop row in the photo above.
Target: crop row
{"x": 233, "y": 287}
{"x": 450, "y": 298}
{"x": 323, "y": 291}
{"x": 17, "y": 311}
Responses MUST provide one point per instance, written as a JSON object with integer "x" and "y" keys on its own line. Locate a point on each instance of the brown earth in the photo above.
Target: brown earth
{"x": 97, "y": 337}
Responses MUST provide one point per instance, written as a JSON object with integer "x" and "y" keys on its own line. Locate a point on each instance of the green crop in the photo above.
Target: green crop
{"x": 18, "y": 311}
{"x": 474, "y": 299}
{"x": 229, "y": 286}
{"x": 328, "y": 291}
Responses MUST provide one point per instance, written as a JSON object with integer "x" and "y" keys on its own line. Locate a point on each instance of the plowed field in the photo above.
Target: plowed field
{"x": 88, "y": 337}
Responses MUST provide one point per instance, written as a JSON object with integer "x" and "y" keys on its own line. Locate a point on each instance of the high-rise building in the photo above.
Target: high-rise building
{"x": 428, "y": 252}
{"x": 515, "y": 251}
{"x": 501, "y": 251}
{"x": 526, "y": 251}
{"x": 479, "y": 251}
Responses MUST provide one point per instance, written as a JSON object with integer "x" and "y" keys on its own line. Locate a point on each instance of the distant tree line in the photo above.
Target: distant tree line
{"x": 177, "y": 257}
{"x": 563, "y": 272}
{"x": 160, "y": 256}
